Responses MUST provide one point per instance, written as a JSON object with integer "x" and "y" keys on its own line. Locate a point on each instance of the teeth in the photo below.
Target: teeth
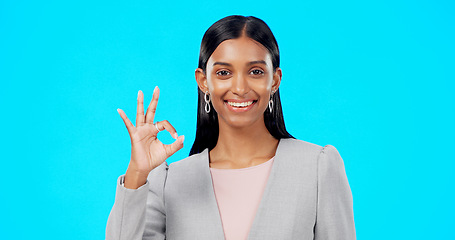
{"x": 240, "y": 104}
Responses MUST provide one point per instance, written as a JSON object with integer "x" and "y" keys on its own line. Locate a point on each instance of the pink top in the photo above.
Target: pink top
{"x": 238, "y": 193}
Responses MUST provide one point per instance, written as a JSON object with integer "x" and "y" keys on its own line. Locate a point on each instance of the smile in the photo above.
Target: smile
{"x": 240, "y": 104}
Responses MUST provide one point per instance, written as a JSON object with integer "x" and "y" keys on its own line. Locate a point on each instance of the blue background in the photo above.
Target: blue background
{"x": 373, "y": 78}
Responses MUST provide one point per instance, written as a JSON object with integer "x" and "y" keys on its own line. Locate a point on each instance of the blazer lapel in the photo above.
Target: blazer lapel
{"x": 260, "y": 219}
{"x": 214, "y": 228}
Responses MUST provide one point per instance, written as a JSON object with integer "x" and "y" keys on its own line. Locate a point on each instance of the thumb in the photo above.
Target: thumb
{"x": 175, "y": 146}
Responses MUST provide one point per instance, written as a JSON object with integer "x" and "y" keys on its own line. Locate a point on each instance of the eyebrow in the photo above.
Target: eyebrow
{"x": 256, "y": 62}
{"x": 250, "y": 63}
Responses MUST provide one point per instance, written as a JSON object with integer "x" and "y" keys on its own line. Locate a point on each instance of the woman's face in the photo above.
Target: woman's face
{"x": 239, "y": 78}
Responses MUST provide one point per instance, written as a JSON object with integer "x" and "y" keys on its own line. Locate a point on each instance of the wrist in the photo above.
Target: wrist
{"x": 134, "y": 179}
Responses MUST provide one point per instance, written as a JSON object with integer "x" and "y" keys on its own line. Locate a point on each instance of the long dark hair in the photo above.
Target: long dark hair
{"x": 233, "y": 27}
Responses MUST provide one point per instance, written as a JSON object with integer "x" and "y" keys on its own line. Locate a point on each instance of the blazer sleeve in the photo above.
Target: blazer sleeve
{"x": 335, "y": 216}
{"x": 139, "y": 213}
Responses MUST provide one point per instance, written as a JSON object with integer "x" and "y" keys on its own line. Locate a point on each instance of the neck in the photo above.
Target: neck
{"x": 243, "y": 147}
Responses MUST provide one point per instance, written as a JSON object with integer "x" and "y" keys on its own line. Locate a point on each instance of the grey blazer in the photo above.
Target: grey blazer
{"x": 307, "y": 196}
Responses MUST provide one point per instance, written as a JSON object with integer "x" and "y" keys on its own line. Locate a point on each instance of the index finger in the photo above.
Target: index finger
{"x": 151, "y": 109}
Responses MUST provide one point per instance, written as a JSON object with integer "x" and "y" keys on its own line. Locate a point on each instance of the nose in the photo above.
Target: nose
{"x": 240, "y": 85}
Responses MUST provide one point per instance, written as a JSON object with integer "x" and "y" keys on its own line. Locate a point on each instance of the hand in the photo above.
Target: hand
{"x": 147, "y": 152}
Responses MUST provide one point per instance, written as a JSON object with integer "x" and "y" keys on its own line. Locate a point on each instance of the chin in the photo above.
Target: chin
{"x": 242, "y": 122}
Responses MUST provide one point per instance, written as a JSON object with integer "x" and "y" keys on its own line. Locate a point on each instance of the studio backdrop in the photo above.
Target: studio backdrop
{"x": 375, "y": 79}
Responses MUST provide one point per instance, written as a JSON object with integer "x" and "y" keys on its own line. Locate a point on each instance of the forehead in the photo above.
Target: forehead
{"x": 240, "y": 50}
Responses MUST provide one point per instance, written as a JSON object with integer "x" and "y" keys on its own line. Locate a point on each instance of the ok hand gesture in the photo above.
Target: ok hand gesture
{"x": 147, "y": 152}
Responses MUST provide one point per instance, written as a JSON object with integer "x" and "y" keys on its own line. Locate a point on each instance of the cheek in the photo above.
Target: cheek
{"x": 262, "y": 86}
{"x": 218, "y": 88}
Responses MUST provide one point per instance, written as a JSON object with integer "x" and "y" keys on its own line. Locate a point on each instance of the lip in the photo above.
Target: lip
{"x": 239, "y": 109}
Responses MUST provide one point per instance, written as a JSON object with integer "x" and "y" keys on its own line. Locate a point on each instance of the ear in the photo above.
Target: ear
{"x": 201, "y": 80}
{"x": 276, "y": 79}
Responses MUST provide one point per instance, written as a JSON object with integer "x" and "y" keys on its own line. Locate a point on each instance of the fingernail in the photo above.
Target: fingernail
{"x": 183, "y": 138}
{"x": 138, "y": 93}
{"x": 154, "y": 90}
{"x": 118, "y": 110}
{"x": 175, "y": 135}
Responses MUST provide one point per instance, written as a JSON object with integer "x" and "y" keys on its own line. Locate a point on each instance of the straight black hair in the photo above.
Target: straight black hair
{"x": 233, "y": 27}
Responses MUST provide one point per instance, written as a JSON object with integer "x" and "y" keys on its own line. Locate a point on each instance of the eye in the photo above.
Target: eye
{"x": 257, "y": 72}
{"x": 222, "y": 73}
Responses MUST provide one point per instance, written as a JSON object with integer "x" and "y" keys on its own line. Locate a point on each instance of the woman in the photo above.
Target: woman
{"x": 246, "y": 176}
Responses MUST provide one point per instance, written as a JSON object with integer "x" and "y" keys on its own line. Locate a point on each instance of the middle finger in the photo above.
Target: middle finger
{"x": 151, "y": 110}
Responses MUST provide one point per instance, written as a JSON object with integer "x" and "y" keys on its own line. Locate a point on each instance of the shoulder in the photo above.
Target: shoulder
{"x": 181, "y": 170}
{"x": 295, "y": 148}
{"x": 330, "y": 156}
{"x": 296, "y": 144}
{"x": 325, "y": 160}
{"x": 326, "y": 155}
{"x": 331, "y": 165}
{"x": 190, "y": 160}
{"x": 192, "y": 164}
{"x": 291, "y": 144}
